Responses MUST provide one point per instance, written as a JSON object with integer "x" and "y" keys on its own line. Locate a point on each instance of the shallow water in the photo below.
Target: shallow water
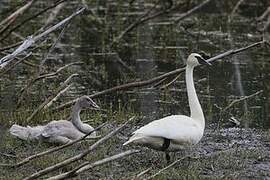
{"x": 149, "y": 50}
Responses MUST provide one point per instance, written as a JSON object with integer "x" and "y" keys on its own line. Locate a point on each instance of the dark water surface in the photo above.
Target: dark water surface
{"x": 149, "y": 50}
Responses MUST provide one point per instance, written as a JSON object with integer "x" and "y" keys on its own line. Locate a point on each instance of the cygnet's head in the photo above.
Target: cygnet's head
{"x": 87, "y": 102}
{"x": 195, "y": 59}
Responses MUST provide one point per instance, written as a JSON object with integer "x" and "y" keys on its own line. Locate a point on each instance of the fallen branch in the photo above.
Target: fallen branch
{"x": 79, "y": 156}
{"x": 5, "y": 70}
{"x": 64, "y": 85}
{"x": 32, "y": 39}
{"x": 32, "y": 17}
{"x": 158, "y": 78}
{"x": 86, "y": 166}
{"x": 28, "y": 159}
{"x": 241, "y": 99}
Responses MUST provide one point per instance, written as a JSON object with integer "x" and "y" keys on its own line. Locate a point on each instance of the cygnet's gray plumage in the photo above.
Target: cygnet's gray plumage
{"x": 61, "y": 131}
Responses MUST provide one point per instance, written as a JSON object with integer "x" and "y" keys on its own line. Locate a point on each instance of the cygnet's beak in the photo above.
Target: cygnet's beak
{"x": 203, "y": 61}
{"x": 95, "y": 105}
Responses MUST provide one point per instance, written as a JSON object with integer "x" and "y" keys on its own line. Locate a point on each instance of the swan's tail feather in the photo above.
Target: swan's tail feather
{"x": 26, "y": 133}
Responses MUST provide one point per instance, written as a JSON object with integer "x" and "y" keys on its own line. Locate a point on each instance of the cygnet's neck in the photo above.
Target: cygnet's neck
{"x": 194, "y": 104}
{"x": 76, "y": 120}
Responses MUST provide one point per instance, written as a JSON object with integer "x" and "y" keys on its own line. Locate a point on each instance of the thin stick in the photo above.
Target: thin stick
{"x": 241, "y": 99}
{"x": 64, "y": 85}
{"x": 86, "y": 166}
{"x": 189, "y": 12}
{"x": 32, "y": 39}
{"x": 167, "y": 167}
{"x": 5, "y": 70}
{"x": 44, "y": 76}
{"x": 170, "y": 83}
{"x": 79, "y": 156}
{"x": 158, "y": 78}
{"x": 32, "y": 17}
{"x": 49, "y": 151}
{"x": 142, "y": 173}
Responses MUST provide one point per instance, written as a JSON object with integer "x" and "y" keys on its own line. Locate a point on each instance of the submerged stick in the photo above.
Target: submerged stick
{"x": 79, "y": 156}
{"x": 158, "y": 78}
{"x": 86, "y": 166}
{"x": 49, "y": 151}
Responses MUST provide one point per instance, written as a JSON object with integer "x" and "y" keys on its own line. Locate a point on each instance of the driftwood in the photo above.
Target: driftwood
{"x": 158, "y": 78}
{"x": 79, "y": 156}
{"x": 49, "y": 99}
{"x": 7, "y": 69}
{"x": 49, "y": 151}
{"x": 31, "y": 17}
{"x": 32, "y": 39}
{"x": 88, "y": 165}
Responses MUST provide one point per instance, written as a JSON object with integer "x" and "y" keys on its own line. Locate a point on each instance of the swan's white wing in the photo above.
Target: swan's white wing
{"x": 177, "y": 127}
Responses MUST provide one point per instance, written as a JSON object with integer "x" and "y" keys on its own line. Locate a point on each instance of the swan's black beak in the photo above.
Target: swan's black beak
{"x": 201, "y": 60}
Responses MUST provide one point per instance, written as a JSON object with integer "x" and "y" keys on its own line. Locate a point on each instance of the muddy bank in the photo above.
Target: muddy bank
{"x": 233, "y": 153}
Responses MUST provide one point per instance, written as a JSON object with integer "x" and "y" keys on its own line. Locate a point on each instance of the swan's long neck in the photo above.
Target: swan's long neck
{"x": 194, "y": 104}
{"x": 76, "y": 120}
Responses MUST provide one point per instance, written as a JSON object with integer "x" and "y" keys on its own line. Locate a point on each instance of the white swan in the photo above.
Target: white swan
{"x": 173, "y": 133}
{"x": 61, "y": 131}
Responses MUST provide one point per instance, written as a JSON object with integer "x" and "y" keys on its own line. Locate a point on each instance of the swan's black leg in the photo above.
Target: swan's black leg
{"x": 168, "y": 157}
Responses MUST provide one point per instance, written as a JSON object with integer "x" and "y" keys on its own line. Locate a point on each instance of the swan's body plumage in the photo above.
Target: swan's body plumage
{"x": 181, "y": 131}
{"x": 61, "y": 131}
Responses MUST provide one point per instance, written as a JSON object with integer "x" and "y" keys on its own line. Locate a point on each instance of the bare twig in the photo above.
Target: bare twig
{"x": 167, "y": 167}
{"x": 57, "y": 97}
{"x": 171, "y": 82}
{"x": 11, "y": 46}
{"x": 49, "y": 151}
{"x": 64, "y": 85}
{"x": 158, "y": 78}
{"x": 5, "y": 70}
{"x": 241, "y": 99}
{"x": 79, "y": 156}
{"x": 191, "y": 11}
{"x": 142, "y": 173}
{"x": 32, "y": 17}
{"x": 23, "y": 90}
{"x": 88, "y": 165}
{"x": 32, "y": 39}
{"x": 41, "y": 70}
